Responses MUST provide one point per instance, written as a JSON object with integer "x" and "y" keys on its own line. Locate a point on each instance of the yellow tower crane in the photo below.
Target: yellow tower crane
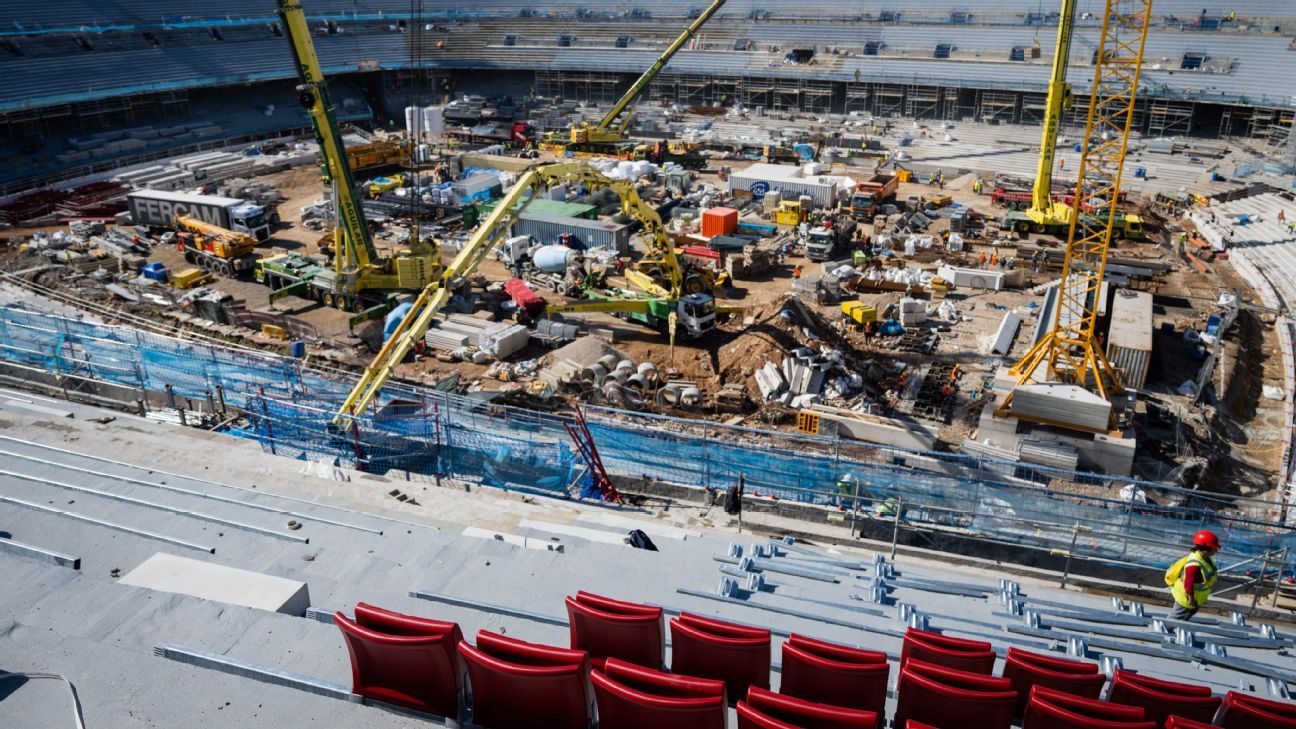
{"x": 1070, "y": 352}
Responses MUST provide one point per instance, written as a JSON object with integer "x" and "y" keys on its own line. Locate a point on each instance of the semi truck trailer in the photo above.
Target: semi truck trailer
{"x": 159, "y": 208}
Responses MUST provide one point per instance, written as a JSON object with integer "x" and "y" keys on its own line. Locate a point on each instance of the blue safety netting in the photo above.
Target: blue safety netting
{"x": 292, "y": 408}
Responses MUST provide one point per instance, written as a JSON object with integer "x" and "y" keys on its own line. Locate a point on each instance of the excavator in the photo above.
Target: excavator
{"x": 607, "y": 136}
{"x": 359, "y": 278}
{"x": 1047, "y": 213}
{"x": 659, "y": 274}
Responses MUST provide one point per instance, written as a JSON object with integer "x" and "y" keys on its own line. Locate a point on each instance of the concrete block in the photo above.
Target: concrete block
{"x": 181, "y": 575}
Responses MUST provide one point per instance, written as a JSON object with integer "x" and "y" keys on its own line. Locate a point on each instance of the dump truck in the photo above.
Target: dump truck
{"x": 871, "y": 194}
{"x": 824, "y": 242}
{"x": 159, "y": 208}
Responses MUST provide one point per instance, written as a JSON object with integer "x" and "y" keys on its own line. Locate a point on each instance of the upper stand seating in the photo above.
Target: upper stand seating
{"x": 635, "y": 697}
{"x": 975, "y": 656}
{"x": 1051, "y": 709}
{"x": 838, "y": 675}
{"x": 767, "y": 710}
{"x": 520, "y": 685}
{"x": 735, "y": 654}
{"x": 1244, "y": 711}
{"x": 948, "y": 697}
{"x": 1161, "y": 698}
{"x": 404, "y": 660}
{"x": 1026, "y": 669}
{"x": 608, "y": 628}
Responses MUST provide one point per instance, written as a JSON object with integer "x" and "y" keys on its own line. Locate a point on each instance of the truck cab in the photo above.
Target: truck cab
{"x": 251, "y": 219}
{"x": 822, "y": 243}
{"x": 697, "y": 313}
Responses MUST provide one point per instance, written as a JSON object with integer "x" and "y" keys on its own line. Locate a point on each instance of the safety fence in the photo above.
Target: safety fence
{"x": 291, "y": 409}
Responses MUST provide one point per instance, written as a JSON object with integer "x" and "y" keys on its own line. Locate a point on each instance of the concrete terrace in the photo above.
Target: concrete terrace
{"x": 224, "y": 494}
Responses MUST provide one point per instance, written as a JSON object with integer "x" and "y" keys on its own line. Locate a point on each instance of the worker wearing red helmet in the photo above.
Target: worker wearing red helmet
{"x": 1192, "y": 578}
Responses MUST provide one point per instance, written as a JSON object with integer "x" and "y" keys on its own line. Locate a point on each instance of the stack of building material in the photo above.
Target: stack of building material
{"x": 1053, "y": 453}
{"x": 1068, "y": 405}
{"x": 1129, "y": 340}
{"x": 912, "y": 312}
{"x": 501, "y": 339}
{"x": 805, "y": 373}
{"x": 454, "y": 332}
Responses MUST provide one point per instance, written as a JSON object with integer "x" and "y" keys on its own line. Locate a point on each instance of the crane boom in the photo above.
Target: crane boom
{"x": 648, "y": 75}
{"x": 354, "y": 246}
{"x": 435, "y": 295}
{"x": 1059, "y": 97}
{"x": 1070, "y": 351}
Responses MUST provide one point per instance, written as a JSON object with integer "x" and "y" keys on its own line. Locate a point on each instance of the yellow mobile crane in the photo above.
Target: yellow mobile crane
{"x": 1044, "y": 212}
{"x": 1071, "y": 352}
{"x": 358, "y": 272}
{"x": 605, "y": 137}
{"x": 213, "y": 248}
{"x": 663, "y": 277}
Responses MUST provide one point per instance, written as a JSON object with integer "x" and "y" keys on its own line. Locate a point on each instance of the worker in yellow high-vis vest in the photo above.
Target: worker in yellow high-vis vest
{"x": 1192, "y": 578}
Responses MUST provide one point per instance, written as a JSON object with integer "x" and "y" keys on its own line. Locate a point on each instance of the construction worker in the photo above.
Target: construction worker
{"x": 796, "y": 271}
{"x": 981, "y": 259}
{"x": 1192, "y": 578}
{"x": 1282, "y": 216}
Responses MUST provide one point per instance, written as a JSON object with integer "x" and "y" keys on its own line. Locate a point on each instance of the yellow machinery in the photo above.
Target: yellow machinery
{"x": 1044, "y": 212}
{"x": 789, "y": 212}
{"x": 1070, "y": 352}
{"x": 660, "y": 273}
{"x": 604, "y": 135}
{"x": 214, "y": 239}
{"x": 858, "y": 312}
{"x": 385, "y": 153}
{"x": 357, "y": 268}
{"x": 379, "y": 185}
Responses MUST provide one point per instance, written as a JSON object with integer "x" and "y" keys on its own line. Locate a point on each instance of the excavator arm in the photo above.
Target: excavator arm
{"x": 354, "y": 246}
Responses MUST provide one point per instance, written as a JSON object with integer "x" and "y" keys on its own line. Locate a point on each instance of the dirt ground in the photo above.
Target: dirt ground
{"x": 1239, "y": 435}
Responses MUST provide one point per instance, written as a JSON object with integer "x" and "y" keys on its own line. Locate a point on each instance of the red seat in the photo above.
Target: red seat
{"x": 1184, "y": 699}
{"x": 911, "y": 724}
{"x": 636, "y": 697}
{"x": 975, "y": 656}
{"x": 402, "y": 659}
{"x": 767, "y": 710}
{"x": 520, "y": 685}
{"x": 1244, "y": 711}
{"x": 1025, "y": 669}
{"x": 1160, "y": 684}
{"x": 949, "y": 697}
{"x": 1178, "y": 722}
{"x": 833, "y": 674}
{"x": 608, "y": 628}
{"x": 1052, "y": 709}
{"x": 707, "y": 648}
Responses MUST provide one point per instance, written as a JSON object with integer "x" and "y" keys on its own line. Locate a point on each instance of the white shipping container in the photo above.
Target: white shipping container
{"x": 761, "y": 178}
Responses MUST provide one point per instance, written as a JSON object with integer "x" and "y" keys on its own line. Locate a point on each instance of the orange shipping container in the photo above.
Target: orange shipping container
{"x": 719, "y": 221}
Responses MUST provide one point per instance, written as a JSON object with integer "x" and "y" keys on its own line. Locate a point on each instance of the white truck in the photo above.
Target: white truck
{"x": 159, "y": 208}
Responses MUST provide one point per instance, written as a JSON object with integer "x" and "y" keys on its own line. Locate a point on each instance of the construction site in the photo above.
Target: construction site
{"x": 333, "y": 332}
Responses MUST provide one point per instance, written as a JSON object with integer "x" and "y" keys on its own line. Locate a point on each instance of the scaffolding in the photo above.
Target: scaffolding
{"x": 996, "y": 107}
{"x": 922, "y": 102}
{"x": 290, "y": 406}
{"x": 1169, "y": 120}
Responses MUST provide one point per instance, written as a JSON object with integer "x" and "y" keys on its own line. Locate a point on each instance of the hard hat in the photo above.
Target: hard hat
{"x": 1206, "y": 538}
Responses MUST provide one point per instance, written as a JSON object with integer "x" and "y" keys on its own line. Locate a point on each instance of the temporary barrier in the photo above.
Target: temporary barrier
{"x": 291, "y": 406}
